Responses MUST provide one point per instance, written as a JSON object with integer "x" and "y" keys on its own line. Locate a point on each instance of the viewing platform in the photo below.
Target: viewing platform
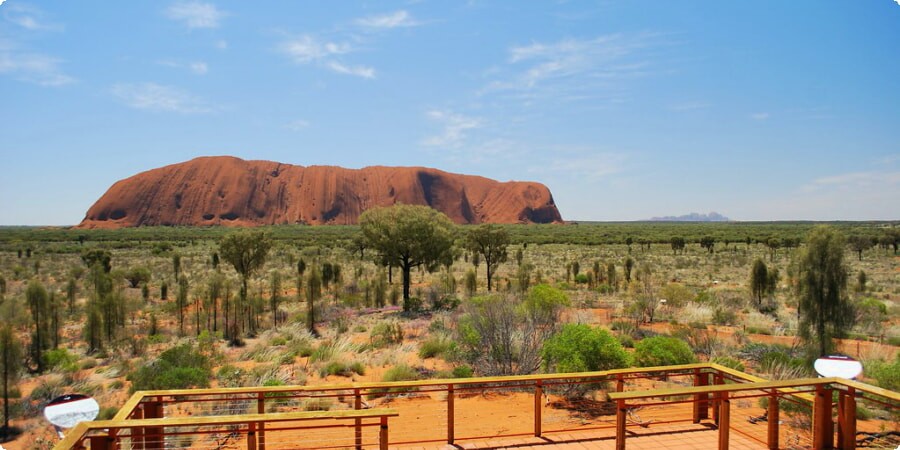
{"x": 694, "y": 406}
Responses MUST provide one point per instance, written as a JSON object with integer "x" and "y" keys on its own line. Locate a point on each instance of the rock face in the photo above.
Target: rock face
{"x": 233, "y": 192}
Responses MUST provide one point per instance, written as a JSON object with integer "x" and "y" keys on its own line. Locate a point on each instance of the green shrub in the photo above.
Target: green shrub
{"x": 662, "y": 351}
{"x": 436, "y": 345}
{"x": 886, "y": 375}
{"x": 387, "y": 333}
{"x": 342, "y": 369}
{"x": 60, "y": 359}
{"x": 463, "y": 371}
{"x": 179, "y": 367}
{"x": 400, "y": 372}
{"x": 580, "y": 348}
{"x": 723, "y": 316}
{"x": 230, "y": 376}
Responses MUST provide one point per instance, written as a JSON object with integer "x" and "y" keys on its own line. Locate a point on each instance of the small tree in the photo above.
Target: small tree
{"x": 313, "y": 293}
{"x": 759, "y": 276}
{"x": 39, "y": 305}
{"x": 137, "y": 275}
{"x": 860, "y": 244}
{"x": 246, "y": 251}
{"x": 708, "y": 242}
{"x": 629, "y": 265}
{"x": 10, "y": 366}
{"x": 677, "y": 245}
{"x": 824, "y": 306}
{"x": 491, "y": 242}
{"x": 407, "y": 236}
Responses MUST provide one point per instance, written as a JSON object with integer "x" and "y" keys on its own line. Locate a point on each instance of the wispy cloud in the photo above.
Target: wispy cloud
{"x": 395, "y": 19}
{"x": 195, "y": 14}
{"x": 759, "y": 116}
{"x": 689, "y": 106}
{"x": 28, "y": 17}
{"x": 580, "y": 67}
{"x": 33, "y": 68}
{"x": 454, "y": 128}
{"x": 159, "y": 98}
{"x": 588, "y": 163}
{"x": 854, "y": 179}
{"x": 308, "y": 49}
{"x": 195, "y": 67}
{"x": 297, "y": 125}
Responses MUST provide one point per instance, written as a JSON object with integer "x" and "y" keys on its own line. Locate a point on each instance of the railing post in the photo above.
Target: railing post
{"x": 772, "y": 420}
{"x": 620, "y": 382}
{"x": 724, "y": 419}
{"x": 137, "y": 434}
{"x": 154, "y": 438}
{"x": 620, "y": 424}
{"x": 823, "y": 427}
{"x": 717, "y": 380}
{"x": 451, "y": 415}
{"x": 701, "y": 401}
{"x": 251, "y": 436}
{"x": 100, "y": 442}
{"x": 538, "y": 393}
{"x": 357, "y": 404}
{"x": 849, "y": 422}
{"x": 261, "y": 409}
{"x": 383, "y": 434}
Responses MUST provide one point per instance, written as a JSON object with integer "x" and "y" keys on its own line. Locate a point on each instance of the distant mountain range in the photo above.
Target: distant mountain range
{"x": 694, "y": 217}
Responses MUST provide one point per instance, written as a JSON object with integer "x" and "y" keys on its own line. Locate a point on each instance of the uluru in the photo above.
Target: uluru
{"x": 229, "y": 191}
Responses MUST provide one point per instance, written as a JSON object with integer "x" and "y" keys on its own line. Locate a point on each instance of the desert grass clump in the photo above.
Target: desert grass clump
{"x": 386, "y": 333}
{"x": 437, "y": 345}
{"x": 342, "y": 368}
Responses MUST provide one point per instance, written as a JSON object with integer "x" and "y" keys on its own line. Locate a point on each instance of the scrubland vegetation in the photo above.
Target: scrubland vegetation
{"x": 105, "y": 313}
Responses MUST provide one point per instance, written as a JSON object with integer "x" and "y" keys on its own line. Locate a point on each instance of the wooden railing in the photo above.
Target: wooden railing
{"x": 443, "y": 414}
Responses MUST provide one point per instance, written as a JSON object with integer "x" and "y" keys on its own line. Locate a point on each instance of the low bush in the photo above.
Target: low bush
{"x": 580, "y": 348}
{"x": 662, "y": 351}
{"x": 179, "y": 367}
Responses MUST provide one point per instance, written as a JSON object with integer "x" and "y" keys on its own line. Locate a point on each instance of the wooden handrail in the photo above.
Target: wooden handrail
{"x": 716, "y": 388}
{"x": 81, "y": 430}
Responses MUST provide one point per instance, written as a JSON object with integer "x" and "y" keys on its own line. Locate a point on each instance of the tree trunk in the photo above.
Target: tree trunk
{"x": 406, "y": 280}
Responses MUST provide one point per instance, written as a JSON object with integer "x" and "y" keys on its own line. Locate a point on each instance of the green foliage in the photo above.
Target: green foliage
{"x": 10, "y": 366}
{"x": 491, "y": 242}
{"x": 463, "y": 371}
{"x": 342, "y": 369}
{"x": 408, "y": 236}
{"x": 825, "y": 309}
{"x": 580, "y": 348}
{"x": 436, "y": 345}
{"x": 137, "y": 276}
{"x": 662, "y": 351}
{"x": 887, "y": 375}
{"x": 60, "y": 359}
{"x": 386, "y": 333}
{"x": 401, "y": 372}
{"x": 180, "y": 367}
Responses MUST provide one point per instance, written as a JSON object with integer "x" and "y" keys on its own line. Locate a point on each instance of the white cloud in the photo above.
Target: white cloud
{"x": 854, "y": 180}
{"x": 222, "y": 44}
{"x": 573, "y": 69}
{"x": 28, "y": 17}
{"x": 689, "y": 106}
{"x": 199, "y": 67}
{"x": 196, "y": 67}
{"x": 455, "y": 127}
{"x": 759, "y": 116}
{"x": 395, "y": 19}
{"x": 195, "y": 14}
{"x": 297, "y": 125}
{"x": 34, "y": 68}
{"x": 307, "y": 49}
{"x": 359, "y": 71}
{"x": 155, "y": 97}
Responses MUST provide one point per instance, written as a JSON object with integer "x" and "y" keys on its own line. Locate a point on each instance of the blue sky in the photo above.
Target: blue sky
{"x": 762, "y": 110}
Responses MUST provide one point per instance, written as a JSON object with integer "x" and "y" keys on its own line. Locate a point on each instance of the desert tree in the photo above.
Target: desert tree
{"x": 137, "y": 275}
{"x": 708, "y": 243}
{"x": 313, "y": 294}
{"x": 176, "y": 265}
{"x": 246, "y": 251}
{"x": 629, "y": 266}
{"x": 628, "y": 241}
{"x": 407, "y": 236}
{"x": 677, "y": 244}
{"x": 860, "y": 243}
{"x": 10, "y": 366}
{"x": 611, "y": 277}
{"x": 181, "y": 298}
{"x": 71, "y": 293}
{"x": 275, "y": 295}
{"x": 759, "y": 278}
{"x": 491, "y": 242}
{"x": 774, "y": 244}
{"x": 39, "y": 305}
{"x": 824, "y": 306}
